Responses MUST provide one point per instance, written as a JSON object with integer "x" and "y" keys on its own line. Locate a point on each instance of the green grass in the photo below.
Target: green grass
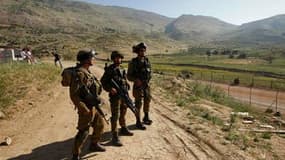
{"x": 16, "y": 79}
{"x": 198, "y": 90}
{"x": 266, "y": 135}
{"x": 217, "y": 95}
{"x": 252, "y": 63}
{"x": 225, "y": 77}
{"x": 205, "y": 114}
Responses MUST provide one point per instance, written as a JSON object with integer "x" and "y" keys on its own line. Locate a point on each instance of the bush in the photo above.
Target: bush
{"x": 242, "y": 56}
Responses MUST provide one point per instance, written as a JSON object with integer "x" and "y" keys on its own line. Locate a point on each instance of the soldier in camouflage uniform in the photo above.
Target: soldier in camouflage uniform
{"x": 84, "y": 93}
{"x": 118, "y": 107}
{"x": 139, "y": 72}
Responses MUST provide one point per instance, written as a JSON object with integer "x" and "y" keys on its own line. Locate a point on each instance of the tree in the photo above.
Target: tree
{"x": 269, "y": 58}
{"x": 208, "y": 53}
{"x": 242, "y": 56}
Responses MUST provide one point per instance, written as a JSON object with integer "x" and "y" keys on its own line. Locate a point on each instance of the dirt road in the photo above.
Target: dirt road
{"x": 46, "y": 128}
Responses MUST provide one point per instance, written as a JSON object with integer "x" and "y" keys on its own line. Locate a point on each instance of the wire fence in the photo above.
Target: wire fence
{"x": 241, "y": 80}
{"x": 265, "y": 94}
{"x": 274, "y": 100}
{"x": 258, "y": 91}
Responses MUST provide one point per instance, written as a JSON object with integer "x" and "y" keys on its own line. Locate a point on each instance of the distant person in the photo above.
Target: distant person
{"x": 139, "y": 72}
{"x": 29, "y": 56}
{"x": 23, "y": 53}
{"x": 57, "y": 58}
{"x": 118, "y": 107}
{"x": 84, "y": 93}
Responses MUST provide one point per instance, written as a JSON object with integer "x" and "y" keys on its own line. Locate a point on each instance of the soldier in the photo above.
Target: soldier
{"x": 139, "y": 72}
{"x": 118, "y": 107}
{"x": 84, "y": 93}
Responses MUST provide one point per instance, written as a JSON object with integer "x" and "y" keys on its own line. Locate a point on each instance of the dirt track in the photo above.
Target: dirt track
{"x": 46, "y": 130}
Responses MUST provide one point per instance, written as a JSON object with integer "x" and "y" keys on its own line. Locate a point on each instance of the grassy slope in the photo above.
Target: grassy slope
{"x": 190, "y": 96}
{"x": 46, "y": 24}
{"x": 254, "y": 64}
{"x": 17, "y": 79}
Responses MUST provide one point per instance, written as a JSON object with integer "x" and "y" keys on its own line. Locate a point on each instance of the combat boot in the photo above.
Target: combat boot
{"x": 96, "y": 147}
{"x": 139, "y": 125}
{"x": 75, "y": 157}
{"x": 126, "y": 132}
{"x": 115, "y": 140}
{"x": 146, "y": 119}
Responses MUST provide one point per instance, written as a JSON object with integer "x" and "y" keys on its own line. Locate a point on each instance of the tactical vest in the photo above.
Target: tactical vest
{"x": 118, "y": 74}
{"x": 88, "y": 90}
{"x": 142, "y": 69}
{"x": 92, "y": 83}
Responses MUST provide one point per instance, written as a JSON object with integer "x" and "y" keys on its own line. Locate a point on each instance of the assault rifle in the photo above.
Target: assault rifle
{"x": 124, "y": 94}
{"x": 99, "y": 110}
{"x": 92, "y": 101}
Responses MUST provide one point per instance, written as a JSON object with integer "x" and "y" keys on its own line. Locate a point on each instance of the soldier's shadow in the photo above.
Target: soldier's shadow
{"x": 57, "y": 151}
{"x": 132, "y": 127}
{"x": 61, "y": 150}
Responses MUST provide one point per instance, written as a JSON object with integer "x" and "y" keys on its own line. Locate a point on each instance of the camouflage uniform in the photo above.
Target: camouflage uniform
{"x": 88, "y": 116}
{"x": 118, "y": 106}
{"x": 140, "y": 68}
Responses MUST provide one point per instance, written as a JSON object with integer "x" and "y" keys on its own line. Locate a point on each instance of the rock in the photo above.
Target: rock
{"x": 278, "y": 121}
{"x": 227, "y": 124}
{"x": 267, "y": 126}
{"x": 277, "y": 114}
{"x": 248, "y": 118}
{"x": 247, "y": 122}
{"x": 7, "y": 141}
{"x": 2, "y": 115}
{"x": 241, "y": 114}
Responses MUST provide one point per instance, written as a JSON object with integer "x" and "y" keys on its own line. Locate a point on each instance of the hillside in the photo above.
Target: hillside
{"x": 70, "y": 25}
{"x": 197, "y": 28}
{"x": 48, "y": 23}
{"x": 266, "y": 31}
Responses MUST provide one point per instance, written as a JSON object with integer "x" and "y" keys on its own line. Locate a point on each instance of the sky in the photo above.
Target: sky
{"x": 231, "y": 11}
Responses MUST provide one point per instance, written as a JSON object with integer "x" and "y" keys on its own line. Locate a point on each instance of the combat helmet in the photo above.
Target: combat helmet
{"x": 115, "y": 54}
{"x": 137, "y": 47}
{"x": 142, "y": 45}
{"x": 83, "y": 55}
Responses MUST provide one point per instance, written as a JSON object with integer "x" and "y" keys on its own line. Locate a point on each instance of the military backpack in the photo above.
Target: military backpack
{"x": 67, "y": 75}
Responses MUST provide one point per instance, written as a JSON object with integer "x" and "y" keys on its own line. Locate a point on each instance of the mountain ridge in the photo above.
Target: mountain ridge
{"x": 45, "y": 24}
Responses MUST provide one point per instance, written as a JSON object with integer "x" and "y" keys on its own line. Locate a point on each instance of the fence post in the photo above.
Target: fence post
{"x": 250, "y": 92}
{"x": 276, "y": 100}
{"x": 228, "y": 90}
{"x": 252, "y": 81}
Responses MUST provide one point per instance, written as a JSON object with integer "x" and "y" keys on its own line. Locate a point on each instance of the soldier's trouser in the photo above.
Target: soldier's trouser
{"x": 119, "y": 110}
{"x": 93, "y": 120}
{"x": 142, "y": 94}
